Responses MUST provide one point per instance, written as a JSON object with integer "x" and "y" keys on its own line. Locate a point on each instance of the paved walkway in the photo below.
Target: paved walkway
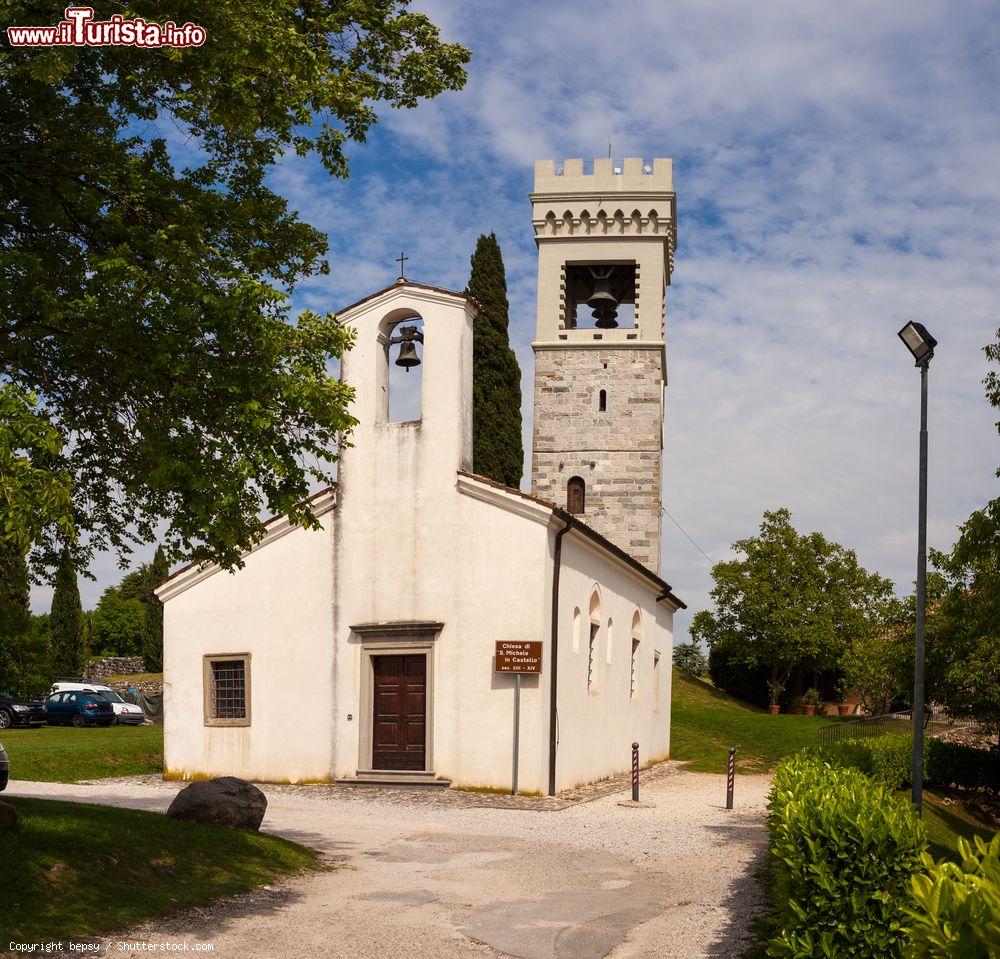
{"x": 449, "y": 874}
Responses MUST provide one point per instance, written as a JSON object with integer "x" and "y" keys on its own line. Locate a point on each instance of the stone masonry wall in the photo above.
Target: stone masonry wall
{"x": 100, "y": 669}
{"x": 617, "y": 452}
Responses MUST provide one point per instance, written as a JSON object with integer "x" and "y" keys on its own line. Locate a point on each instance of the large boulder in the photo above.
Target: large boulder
{"x": 8, "y": 817}
{"x": 226, "y": 801}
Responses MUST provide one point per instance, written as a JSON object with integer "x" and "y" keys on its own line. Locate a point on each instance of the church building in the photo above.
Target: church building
{"x": 366, "y": 650}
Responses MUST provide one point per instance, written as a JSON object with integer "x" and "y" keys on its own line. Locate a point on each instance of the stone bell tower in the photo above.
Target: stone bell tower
{"x": 606, "y": 244}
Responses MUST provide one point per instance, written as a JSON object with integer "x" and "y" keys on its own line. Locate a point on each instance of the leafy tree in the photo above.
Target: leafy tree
{"x": 964, "y": 659}
{"x": 964, "y": 655}
{"x": 24, "y": 652}
{"x": 34, "y": 491}
{"x": 878, "y": 668}
{"x": 688, "y": 658}
{"x": 119, "y": 624}
{"x": 148, "y": 359}
{"x": 497, "y": 448}
{"x": 66, "y": 621}
{"x": 790, "y": 600}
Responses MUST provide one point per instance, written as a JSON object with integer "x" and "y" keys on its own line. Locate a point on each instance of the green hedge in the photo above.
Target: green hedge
{"x": 844, "y": 849}
{"x": 956, "y": 913}
{"x": 949, "y": 764}
{"x": 889, "y": 760}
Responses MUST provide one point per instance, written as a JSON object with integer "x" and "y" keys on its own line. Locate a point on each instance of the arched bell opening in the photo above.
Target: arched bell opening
{"x": 600, "y": 296}
{"x": 402, "y": 338}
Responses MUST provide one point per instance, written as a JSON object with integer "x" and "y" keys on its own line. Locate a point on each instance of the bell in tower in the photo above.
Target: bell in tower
{"x": 602, "y": 301}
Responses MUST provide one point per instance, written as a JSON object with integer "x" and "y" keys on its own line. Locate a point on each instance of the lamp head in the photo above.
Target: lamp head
{"x": 918, "y": 341}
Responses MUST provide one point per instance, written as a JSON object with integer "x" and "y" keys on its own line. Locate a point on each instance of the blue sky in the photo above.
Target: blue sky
{"x": 836, "y": 173}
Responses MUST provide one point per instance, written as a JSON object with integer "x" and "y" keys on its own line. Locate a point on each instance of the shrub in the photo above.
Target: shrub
{"x": 951, "y": 764}
{"x": 888, "y": 760}
{"x": 844, "y": 849}
{"x": 957, "y": 906}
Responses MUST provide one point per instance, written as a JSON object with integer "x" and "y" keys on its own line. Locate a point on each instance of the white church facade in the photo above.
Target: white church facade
{"x": 364, "y": 650}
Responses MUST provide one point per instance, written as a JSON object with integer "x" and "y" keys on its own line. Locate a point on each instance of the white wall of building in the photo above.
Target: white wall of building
{"x": 599, "y": 722}
{"x": 278, "y": 609}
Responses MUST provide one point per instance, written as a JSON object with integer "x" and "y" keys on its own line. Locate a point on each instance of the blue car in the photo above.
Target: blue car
{"x": 78, "y": 708}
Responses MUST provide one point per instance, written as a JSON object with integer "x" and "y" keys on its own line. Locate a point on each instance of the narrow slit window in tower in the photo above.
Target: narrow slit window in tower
{"x": 635, "y": 667}
{"x": 576, "y": 495}
{"x": 592, "y": 652}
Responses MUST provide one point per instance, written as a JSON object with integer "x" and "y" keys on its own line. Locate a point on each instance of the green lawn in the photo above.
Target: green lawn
{"x": 63, "y": 754}
{"x": 134, "y": 678}
{"x": 946, "y": 821}
{"x": 81, "y": 870}
{"x": 706, "y": 722}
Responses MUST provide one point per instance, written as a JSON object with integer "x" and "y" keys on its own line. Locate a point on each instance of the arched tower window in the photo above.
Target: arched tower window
{"x": 602, "y": 401}
{"x": 576, "y": 495}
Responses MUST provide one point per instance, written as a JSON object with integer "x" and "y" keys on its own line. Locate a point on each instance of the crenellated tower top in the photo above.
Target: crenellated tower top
{"x": 633, "y": 176}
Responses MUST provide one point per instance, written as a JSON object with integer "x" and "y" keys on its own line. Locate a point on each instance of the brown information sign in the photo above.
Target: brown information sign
{"x": 514, "y": 657}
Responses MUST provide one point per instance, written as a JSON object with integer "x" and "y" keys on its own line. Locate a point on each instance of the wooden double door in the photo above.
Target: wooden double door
{"x": 399, "y": 726}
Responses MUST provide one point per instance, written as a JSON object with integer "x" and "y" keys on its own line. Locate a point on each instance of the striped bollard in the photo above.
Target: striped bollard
{"x": 731, "y": 778}
{"x": 635, "y": 772}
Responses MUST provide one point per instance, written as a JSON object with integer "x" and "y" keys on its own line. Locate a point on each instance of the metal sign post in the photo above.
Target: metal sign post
{"x": 517, "y": 658}
{"x": 517, "y": 729}
{"x": 731, "y": 777}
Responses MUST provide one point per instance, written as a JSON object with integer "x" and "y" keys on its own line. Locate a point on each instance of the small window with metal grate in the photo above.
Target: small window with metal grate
{"x": 227, "y": 690}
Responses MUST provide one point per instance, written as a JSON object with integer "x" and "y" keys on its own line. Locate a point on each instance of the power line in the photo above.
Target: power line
{"x": 663, "y": 509}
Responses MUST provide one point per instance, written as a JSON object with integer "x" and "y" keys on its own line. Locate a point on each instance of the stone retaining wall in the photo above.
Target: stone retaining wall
{"x": 113, "y": 666}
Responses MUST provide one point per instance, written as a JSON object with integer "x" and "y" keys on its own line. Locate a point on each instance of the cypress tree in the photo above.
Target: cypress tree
{"x": 497, "y": 450}
{"x": 87, "y": 644}
{"x": 15, "y": 613}
{"x": 24, "y": 651}
{"x": 66, "y": 620}
{"x": 152, "y": 651}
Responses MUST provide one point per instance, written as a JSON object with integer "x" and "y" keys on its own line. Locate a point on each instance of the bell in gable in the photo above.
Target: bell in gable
{"x": 407, "y": 355}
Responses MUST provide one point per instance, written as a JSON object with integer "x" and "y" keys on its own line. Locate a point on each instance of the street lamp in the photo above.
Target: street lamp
{"x": 921, "y": 344}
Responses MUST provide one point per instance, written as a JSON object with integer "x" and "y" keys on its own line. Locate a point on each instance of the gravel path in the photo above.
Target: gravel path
{"x": 413, "y": 878}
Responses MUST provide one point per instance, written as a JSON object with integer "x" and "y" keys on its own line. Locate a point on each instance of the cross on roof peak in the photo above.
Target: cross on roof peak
{"x": 401, "y": 260}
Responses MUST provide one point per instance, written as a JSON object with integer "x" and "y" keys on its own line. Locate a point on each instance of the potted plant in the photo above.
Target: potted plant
{"x": 844, "y": 708}
{"x": 774, "y": 691}
{"x": 810, "y": 701}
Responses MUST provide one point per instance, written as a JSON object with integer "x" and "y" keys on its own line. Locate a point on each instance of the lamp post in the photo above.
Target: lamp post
{"x": 921, "y": 344}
